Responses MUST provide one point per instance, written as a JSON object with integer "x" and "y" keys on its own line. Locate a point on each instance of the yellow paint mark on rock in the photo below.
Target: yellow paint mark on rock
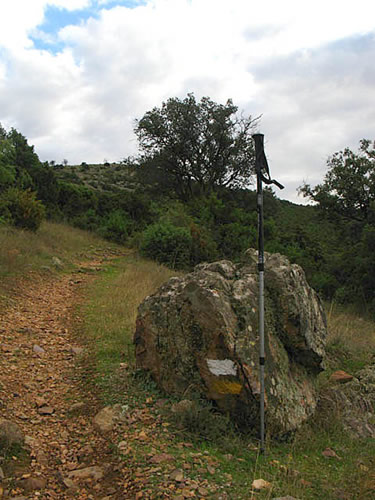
{"x": 226, "y": 387}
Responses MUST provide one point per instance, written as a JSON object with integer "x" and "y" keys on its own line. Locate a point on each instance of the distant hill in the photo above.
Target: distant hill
{"x": 109, "y": 177}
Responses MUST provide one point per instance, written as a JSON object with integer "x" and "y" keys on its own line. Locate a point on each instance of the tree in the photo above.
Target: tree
{"x": 347, "y": 196}
{"x": 199, "y": 146}
{"x": 348, "y": 190}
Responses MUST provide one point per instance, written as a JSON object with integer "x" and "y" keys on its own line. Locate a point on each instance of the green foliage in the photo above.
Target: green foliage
{"x": 232, "y": 227}
{"x": 116, "y": 227}
{"x": 347, "y": 197}
{"x": 181, "y": 202}
{"x": 348, "y": 190}
{"x": 197, "y": 147}
{"x": 75, "y": 200}
{"x": 20, "y": 167}
{"x": 167, "y": 244}
{"x": 21, "y": 209}
{"x": 7, "y": 176}
{"x": 203, "y": 245}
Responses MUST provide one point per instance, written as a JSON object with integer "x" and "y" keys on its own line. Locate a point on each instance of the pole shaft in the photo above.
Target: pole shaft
{"x": 261, "y": 311}
{"x": 259, "y": 152}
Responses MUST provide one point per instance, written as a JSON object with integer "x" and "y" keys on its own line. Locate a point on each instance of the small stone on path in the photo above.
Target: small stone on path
{"x": 163, "y": 457}
{"x": 261, "y": 484}
{"x": 104, "y": 420}
{"x": 46, "y": 410}
{"x": 329, "y": 453}
{"x": 10, "y": 433}
{"x": 33, "y": 483}
{"x": 341, "y": 377}
{"x": 38, "y": 349}
{"x": 77, "y": 406}
{"x": 77, "y": 350}
{"x": 57, "y": 263}
{"x": 177, "y": 475}
{"x": 95, "y": 472}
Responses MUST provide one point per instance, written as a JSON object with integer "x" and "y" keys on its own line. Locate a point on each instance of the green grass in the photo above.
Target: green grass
{"x": 22, "y": 251}
{"x": 110, "y": 319}
{"x": 350, "y": 342}
{"x": 295, "y": 468}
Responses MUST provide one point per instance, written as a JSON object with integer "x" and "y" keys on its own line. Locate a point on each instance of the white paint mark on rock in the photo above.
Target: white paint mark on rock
{"x": 221, "y": 367}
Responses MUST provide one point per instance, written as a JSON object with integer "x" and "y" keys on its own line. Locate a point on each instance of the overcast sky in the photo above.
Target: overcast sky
{"x": 75, "y": 74}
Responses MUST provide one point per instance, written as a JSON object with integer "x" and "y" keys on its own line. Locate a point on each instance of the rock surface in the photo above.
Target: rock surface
{"x": 33, "y": 483}
{"x": 105, "y": 420}
{"x": 199, "y": 334}
{"x": 10, "y": 434}
{"x": 95, "y": 472}
{"x": 354, "y": 401}
{"x": 341, "y": 377}
{"x": 261, "y": 484}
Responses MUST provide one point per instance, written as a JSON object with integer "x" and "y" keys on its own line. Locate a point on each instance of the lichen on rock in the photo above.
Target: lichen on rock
{"x": 199, "y": 334}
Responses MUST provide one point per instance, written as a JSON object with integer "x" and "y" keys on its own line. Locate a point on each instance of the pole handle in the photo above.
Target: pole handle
{"x": 261, "y": 164}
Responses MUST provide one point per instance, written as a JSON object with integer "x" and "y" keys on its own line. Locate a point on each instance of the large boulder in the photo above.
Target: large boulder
{"x": 199, "y": 334}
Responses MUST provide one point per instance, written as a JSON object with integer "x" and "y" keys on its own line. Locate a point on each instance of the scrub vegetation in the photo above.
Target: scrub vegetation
{"x": 188, "y": 198}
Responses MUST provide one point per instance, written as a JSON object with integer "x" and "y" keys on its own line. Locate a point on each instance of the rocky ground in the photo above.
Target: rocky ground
{"x": 69, "y": 456}
{"x": 76, "y": 449}
{"x": 57, "y": 441}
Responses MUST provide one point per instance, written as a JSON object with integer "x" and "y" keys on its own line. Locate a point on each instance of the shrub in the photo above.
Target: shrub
{"x": 116, "y": 226}
{"x": 235, "y": 238}
{"x": 167, "y": 244}
{"x": 21, "y": 208}
{"x": 88, "y": 221}
{"x": 203, "y": 248}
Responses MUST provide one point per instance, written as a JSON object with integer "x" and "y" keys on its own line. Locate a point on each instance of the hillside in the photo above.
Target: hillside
{"x": 180, "y": 220}
{"x": 108, "y": 177}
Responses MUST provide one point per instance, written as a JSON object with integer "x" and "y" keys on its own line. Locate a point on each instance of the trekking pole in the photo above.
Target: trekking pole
{"x": 263, "y": 175}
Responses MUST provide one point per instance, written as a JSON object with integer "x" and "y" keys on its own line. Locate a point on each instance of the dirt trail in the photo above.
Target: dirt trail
{"x": 40, "y": 392}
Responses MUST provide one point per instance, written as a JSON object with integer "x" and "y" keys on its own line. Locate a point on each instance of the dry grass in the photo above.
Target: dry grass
{"x": 138, "y": 279}
{"x": 111, "y": 314}
{"x": 118, "y": 297}
{"x": 109, "y": 325}
{"x": 21, "y": 250}
{"x": 351, "y": 338}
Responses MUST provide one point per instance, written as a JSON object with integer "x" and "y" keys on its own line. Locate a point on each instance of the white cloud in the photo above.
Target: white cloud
{"x": 271, "y": 57}
{"x": 19, "y": 17}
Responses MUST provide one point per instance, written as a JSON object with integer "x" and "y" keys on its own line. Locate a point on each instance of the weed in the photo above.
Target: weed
{"x": 297, "y": 467}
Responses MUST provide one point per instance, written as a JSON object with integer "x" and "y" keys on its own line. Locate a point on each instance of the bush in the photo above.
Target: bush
{"x": 203, "y": 248}
{"x": 167, "y": 244}
{"x": 116, "y": 226}
{"x": 21, "y": 209}
{"x": 88, "y": 221}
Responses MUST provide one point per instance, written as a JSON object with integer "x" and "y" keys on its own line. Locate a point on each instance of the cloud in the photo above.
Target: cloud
{"x": 314, "y": 103}
{"x": 305, "y": 66}
{"x": 19, "y": 17}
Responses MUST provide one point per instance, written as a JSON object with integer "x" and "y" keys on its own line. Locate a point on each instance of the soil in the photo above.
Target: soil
{"x": 41, "y": 392}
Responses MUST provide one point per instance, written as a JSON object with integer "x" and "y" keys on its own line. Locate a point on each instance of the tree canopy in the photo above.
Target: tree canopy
{"x": 347, "y": 196}
{"x": 197, "y": 146}
{"x": 348, "y": 189}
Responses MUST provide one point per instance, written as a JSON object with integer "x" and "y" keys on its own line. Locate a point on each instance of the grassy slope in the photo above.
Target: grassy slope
{"x": 223, "y": 460}
{"x": 236, "y": 462}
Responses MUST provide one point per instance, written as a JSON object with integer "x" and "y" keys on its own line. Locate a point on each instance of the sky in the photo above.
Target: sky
{"x": 76, "y": 74}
